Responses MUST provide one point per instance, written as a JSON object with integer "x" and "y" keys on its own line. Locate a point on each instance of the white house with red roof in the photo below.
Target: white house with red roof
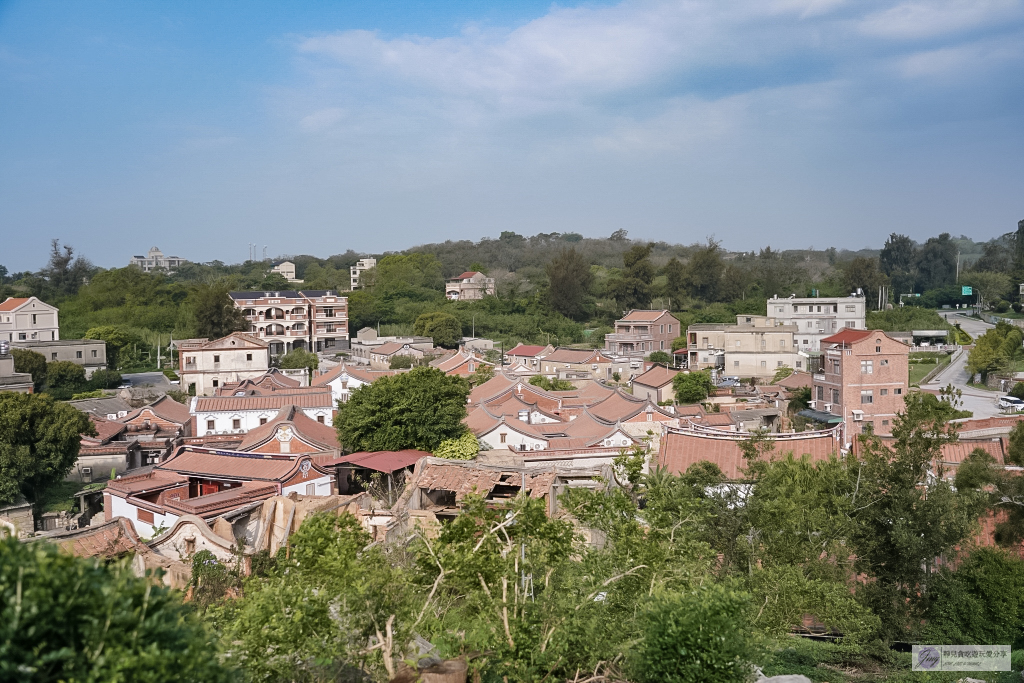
{"x": 469, "y": 286}
{"x": 207, "y": 483}
{"x": 461, "y": 362}
{"x": 525, "y": 358}
{"x": 343, "y": 379}
{"x": 28, "y": 319}
{"x": 213, "y": 415}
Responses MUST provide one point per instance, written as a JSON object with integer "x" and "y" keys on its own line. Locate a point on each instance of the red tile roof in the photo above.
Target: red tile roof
{"x": 526, "y": 351}
{"x": 11, "y": 304}
{"x": 467, "y": 274}
{"x": 309, "y": 397}
{"x": 389, "y": 348}
{"x": 306, "y": 429}
{"x": 464, "y": 479}
{"x": 657, "y": 377}
{"x": 847, "y": 335}
{"x": 153, "y": 480}
{"x": 105, "y": 429}
{"x": 112, "y": 539}
{"x": 577, "y": 356}
{"x": 223, "y": 500}
{"x": 189, "y": 460}
{"x": 381, "y": 461}
{"x": 795, "y": 381}
{"x": 643, "y": 316}
{"x": 681, "y": 449}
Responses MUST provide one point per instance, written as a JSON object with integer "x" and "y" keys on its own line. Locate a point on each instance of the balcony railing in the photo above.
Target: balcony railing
{"x": 620, "y": 337}
{"x": 819, "y": 377}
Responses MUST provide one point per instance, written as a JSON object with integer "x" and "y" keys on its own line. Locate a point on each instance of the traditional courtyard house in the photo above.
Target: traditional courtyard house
{"x": 159, "y": 428}
{"x": 469, "y": 286}
{"x": 109, "y": 452}
{"x": 343, "y": 379}
{"x": 208, "y": 483}
{"x": 314, "y": 320}
{"x": 273, "y": 379}
{"x": 525, "y": 359}
{"x": 655, "y": 384}
{"x": 380, "y": 357}
{"x": 207, "y": 365}
{"x": 863, "y": 381}
{"x": 224, "y": 415}
{"x": 641, "y": 332}
{"x": 292, "y": 432}
{"x": 28, "y": 319}
{"x": 591, "y": 361}
{"x": 462, "y": 363}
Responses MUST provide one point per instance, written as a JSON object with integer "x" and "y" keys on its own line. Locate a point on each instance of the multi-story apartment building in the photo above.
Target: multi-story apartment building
{"x": 28, "y": 319}
{"x": 205, "y": 366}
{"x": 356, "y": 271}
{"x": 756, "y": 346}
{"x": 469, "y": 286}
{"x": 638, "y": 333}
{"x": 155, "y": 260}
{"x": 310, "y": 320}
{"x": 819, "y": 317}
{"x": 864, "y": 380}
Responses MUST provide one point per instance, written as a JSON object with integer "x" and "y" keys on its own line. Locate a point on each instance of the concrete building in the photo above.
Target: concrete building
{"x": 285, "y": 269}
{"x": 469, "y": 286}
{"x": 28, "y": 319}
{"x": 18, "y": 382}
{"x": 656, "y": 384}
{"x": 818, "y": 317}
{"x": 366, "y": 343}
{"x": 356, "y": 271}
{"x": 380, "y": 357}
{"x": 310, "y": 320}
{"x": 155, "y": 260}
{"x": 89, "y": 353}
{"x": 756, "y": 346}
{"x": 640, "y": 332}
{"x": 864, "y": 380}
{"x": 205, "y": 366}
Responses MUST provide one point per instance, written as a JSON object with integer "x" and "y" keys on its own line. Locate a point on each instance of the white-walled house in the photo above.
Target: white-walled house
{"x": 239, "y": 414}
{"x": 28, "y": 319}
{"x": 207, "y": 483}
{"x": 344, "y": 379}
{"x": 206, "y": 366}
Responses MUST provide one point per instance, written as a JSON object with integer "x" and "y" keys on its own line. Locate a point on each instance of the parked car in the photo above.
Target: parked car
{"x": 1011, "y": 403}
{"x": 126, "y": 384}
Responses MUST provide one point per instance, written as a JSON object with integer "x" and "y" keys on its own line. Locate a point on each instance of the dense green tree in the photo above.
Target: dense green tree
{"x": 65, "y": 376}
{"x": 991, "y": 286}
{"x": 1015, "y": 451}
{"x": 105, "y": 379}
{"x": 416, "y": 276}
{"x": 897, "y": 261}
{"x": 1018, "y": 248}
{"x": 215, "y": 312}
{"x": 444, "y": 328}
{"x": 551, "y": 384}
{"x": 464, "y": 447}
{"x": 995, "y": 349}
{"x": 632, "y": 287}
{"x": 299, "y": 358}
{"x": 936, "y": 262}
{"x": 997, "y": 255}
{"x": 692, "y": 387}
{"x": 570, "y": 280}
{"x": 39, "y": 442}
{"x": 675, "y": 281}
{"x": 660, "y": 357}
{"x": 31, "y": 362}
{"x": 704, "y": 272}
{"x": 862, "y": 273}
{"x": 400, "y": 361}
{"x": 415, "y": 409}
{"x": 66, "y": 618}
{"x": 64, "y": 273}
{"x": 123, "y": 345}
{"x": 980, "y": 601}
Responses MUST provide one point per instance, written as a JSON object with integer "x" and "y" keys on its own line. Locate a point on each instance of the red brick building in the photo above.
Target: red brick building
{"x": 864, "y": 380}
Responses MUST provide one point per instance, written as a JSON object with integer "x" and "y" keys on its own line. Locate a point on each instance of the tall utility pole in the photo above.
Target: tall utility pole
{"x": 957, "y": 266}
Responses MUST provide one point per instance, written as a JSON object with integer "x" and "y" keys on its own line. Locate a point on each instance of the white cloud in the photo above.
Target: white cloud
{"x": 929, "y": 18}
{"x": 962, "y": 61}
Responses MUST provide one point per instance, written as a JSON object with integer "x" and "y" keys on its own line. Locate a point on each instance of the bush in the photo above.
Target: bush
{"x": 464, "y": 447}
{"x": 1018, "y": 390}
{"x": 444, "y": 328}
{"x": 660, "y": 357}
{"x": 1001, "y": 306}
{"x": 698, "y": 637}
{"x": 401, "y": 362}
{"x": 105, "y": 379}
{"x": 32, "y": 363}
{"x": 552, "y": 384}
{"x": 692, "y": 387}
{"x": 65, "y": 376}
{"x": 1016, "y": 307}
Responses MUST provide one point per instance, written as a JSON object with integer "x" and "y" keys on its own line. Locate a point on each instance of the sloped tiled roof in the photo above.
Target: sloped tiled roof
{"x": 12, "y": 303}
{"x": 111, "y": 539}
{"x": 491, "y": 388}
{"x": 795, "y": 381}
{"x": 198, "y": 462}
{"x": 223, "y": 500}
{"x": 151, "y": 480}
{"x": 307, "y": 429}
{"x": 166, "y": 408}
{"x": 657, "y": 377}
{"x": 847, "y": 335}
{"x": 638, "y": 316}
{"x": 467, "y": 274}
{"x": 308, "y": 397}
{"x": 390, "y": 348}
{"x": 681, "y": 449}
{"x": 524, "y": 350}
{"x": 464, "y": 479}
{"x": 105, "y": 430}
{"x": 561, "y": 355}
{"x": 381, "y": 461}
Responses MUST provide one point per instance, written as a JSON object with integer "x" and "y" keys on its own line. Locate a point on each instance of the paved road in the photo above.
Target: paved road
{"x": 157, "y": 380}
{"x": 982, "y": 403}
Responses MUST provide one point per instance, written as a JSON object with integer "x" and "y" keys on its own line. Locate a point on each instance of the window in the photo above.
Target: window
{"x": 216, "y": 383}
{"x": 328, "y": 312}
{"x": 737, "y": 343}
{"x": 821, "y": 393}
{"x": 33, "y": 318}
{"x": 144, "y": 515}
{"x": 867, "y": 396}
{"x": 782, "y": 343}
{"x": 779, "y": 364}
{"x": 503, "y": 438}
{"x": 94, "y": 353}
{"x": 885, "y": 423}
{"x": 78, "y": 354}
{"x": 263, "y": 420}
{"x": 216, "y": 359}
{"x": 236, "y": 423}
{"x": 898, "y": 392}
{"x": 835, "y": 396}
{"x": 851, "y": 308}
{"x": 21, "y": 336}
{"x": 662, "y": 345}
{"x": 764, "y": 344}
{"x": 248, "y": 356}
{"x": 210, "y": 425}
{"x": 867, "y": 427}
{"x": 796, "y": 309}
{"x": 663, "y": 329}
{"x": 819, "y": 309}
{"x": 799, "y": 364}
{"x": 867, "y": 367}
{"x": 850, "y": 323}
{"x": 749, "y": 319}
{"x": 310, "y": 489}
{"x": 806, "y": 342}
{"x": 883, "y": 362}
{"x": 53, "y": 355}
{"x": 670, "y": 329}
{"x": 320, "y": 419}
{"x": 764, "y": 364}
{"x": 810, "y": 325}
{"x": 883, "y": 392}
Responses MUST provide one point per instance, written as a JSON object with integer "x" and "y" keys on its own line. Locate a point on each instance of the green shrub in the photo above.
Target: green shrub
{"x": 105, "y": 379}
{"x": 698, "y": 637}
{"x": 401, "y": 362}
{"x": 464, "y": 447}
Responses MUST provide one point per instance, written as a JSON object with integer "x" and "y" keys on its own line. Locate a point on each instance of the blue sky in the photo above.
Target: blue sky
{"x": 324, "y": 126}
